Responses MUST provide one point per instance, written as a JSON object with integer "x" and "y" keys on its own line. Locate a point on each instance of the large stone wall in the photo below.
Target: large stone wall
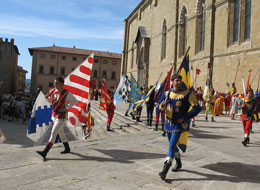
{"x": 225, "y": 57}
{"x": 8, "y": 66}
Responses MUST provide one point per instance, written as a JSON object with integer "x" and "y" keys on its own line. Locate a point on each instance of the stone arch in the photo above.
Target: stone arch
{"x": 199, "y": 5}
{"x": 183, "y": 14}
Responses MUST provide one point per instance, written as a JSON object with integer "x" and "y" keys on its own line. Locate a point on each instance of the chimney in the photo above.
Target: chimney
{"x": 12, "y": 41}
{"x": 74, "y": 46}
{"x": 53, "y": 45}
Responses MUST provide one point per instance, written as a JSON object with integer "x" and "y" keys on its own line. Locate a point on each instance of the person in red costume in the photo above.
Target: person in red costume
{"x": 61, "y": 101}
{"x": 249, "y": 108}
{"x": 110, "y": 113}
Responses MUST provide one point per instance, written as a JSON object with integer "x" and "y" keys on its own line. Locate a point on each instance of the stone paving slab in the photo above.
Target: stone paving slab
{"x": 130, "y": 161}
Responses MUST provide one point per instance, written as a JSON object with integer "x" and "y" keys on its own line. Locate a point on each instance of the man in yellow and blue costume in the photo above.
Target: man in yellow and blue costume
{"x": 180, "y": 105}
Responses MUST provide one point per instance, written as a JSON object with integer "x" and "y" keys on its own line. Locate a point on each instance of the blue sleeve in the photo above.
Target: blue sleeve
{"x": 192, "y": 113}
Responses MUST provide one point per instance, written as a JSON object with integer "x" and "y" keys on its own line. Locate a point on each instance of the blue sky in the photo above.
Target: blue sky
{"x": 86, "y": 24}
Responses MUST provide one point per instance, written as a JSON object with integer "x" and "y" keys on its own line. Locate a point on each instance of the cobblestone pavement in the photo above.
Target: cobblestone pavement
{"x": 132, "y": 156}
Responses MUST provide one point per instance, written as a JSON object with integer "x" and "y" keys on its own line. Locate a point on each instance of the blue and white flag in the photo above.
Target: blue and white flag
{"x": 118, "y": 95}
{"x": 40, "y": 119}
{"x": 135, "y": 93}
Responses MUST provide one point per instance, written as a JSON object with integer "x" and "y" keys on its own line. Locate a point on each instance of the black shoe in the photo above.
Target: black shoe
{"x": 156, "y": 127}
{"x": 133, "y": 117}
{"x": 178, "y": 165}
{"x": 67, "y": 148}
{"x": 206, "y": 118}
{"x": 44, "y": 152}
{"x": 244, "y": 142}
{"x": 212, "y": 119}
{"x": 164, "y": 134}
{"x": 193, "y": 124}
{"x": 126, "y": 114}
{"x": 108, "y": 129}
{"x": 165, "y": 170}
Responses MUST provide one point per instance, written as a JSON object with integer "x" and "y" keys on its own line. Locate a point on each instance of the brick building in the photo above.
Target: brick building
{"x": 9, "y": 77}
{"x": 50, "y": 62}
{"x": 220, "y": 33}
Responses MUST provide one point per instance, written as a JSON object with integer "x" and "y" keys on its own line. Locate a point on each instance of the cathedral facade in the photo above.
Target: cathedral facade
{"x": 223, "y": 36}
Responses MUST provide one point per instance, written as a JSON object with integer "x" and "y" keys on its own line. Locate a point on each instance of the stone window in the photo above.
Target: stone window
{"x": 51, "y": 70}
{"x": 164, "y": 38}
{"x": 200, "y": 26}
{"x": 104, "y": 75}
{"x": 42, "y": 55}
{"x": 105, "y": 61}
{"x": 183, "y": 31}
{"x": 95, "y": 73}
{"x": 239, "y": 21}
{"x": 113, "y": 62}
{"x": 96, "y": 61}
{"x": 132, "y": 57}
{"x": 236, "y": 20}
{"x": 52, "y": 56}
{"x": 50, "y": 84}
{"x": 247, "y": 19}
{"x": 41, "y": 69}
{"x": 63, "y": 57}
{"x": 62, "y": 70}
{"x": 113, "y": 75}
{"x": 74, "y": 58}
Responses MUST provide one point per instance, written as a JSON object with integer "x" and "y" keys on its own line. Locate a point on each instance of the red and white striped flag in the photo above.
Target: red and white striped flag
{"x": 78, "y": 83}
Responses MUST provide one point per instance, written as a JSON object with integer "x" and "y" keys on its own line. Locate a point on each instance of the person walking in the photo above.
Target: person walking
{"x": 177, "y": 103}
{"x": 61, "y": 100}
{"x": 249, "y": 107}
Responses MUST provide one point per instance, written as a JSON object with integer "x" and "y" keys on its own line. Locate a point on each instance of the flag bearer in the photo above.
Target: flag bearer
{"x": 176, "y": 103}
{"x": 61, "y": 101}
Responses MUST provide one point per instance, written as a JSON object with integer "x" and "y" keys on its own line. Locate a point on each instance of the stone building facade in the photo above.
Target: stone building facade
{"x": 21, "y": 77}
{"x": 53, "y": 61}
{"x": 8, "y": 66}
{"x": 220, "y": 33}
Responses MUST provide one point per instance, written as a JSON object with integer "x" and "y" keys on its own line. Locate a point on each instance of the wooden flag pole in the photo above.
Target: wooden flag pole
{"x": 255, "y": 76}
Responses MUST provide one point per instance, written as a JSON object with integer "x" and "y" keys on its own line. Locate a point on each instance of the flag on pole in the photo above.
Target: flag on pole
{"x": 40, "y": 119}
{"x": 140, "y": 103}
{"x": 135, "y": 93}
{"x": 105, "y": 99}
{"x": 78, "y": 83}
{"x": 184, "y": 71}
{"x": 165, "y": 86}
{"x": 122, "y": 90}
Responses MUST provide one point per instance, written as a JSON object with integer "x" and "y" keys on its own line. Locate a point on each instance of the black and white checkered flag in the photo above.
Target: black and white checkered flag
{"x": 126, "y": 89}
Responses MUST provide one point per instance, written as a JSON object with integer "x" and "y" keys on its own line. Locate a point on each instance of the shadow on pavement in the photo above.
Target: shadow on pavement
{"x": 121, "y": 156}
{"x": 196, "y": 133}
{"x": 232, "y": 171}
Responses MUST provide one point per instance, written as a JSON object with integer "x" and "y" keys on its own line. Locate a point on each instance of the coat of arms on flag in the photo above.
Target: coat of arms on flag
{"x": 78, "y": 83}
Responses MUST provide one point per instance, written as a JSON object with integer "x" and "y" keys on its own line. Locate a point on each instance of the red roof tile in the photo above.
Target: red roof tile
{"x": 75, "y": 51}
